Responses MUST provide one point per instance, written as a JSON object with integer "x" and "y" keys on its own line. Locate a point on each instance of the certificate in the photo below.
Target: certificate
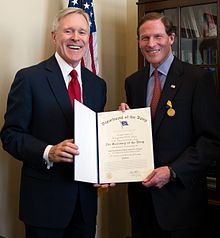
{"x": 115, "y": 146}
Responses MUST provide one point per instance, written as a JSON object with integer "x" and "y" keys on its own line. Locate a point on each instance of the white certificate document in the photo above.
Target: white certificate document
{"x": 115, "y": 146}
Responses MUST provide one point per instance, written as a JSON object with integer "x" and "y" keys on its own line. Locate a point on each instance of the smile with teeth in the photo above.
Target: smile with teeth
{"x": 153, "y": 51}
{"x": 74, "y": 47}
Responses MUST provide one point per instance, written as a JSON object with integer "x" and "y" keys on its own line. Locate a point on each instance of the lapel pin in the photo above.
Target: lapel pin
{"x": 170, "y": 112}
{"x": 173, "y": 86}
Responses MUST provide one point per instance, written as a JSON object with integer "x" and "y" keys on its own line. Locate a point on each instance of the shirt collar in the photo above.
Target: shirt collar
{"x": 164, "y": 67}
{"x": 66, "y": 68}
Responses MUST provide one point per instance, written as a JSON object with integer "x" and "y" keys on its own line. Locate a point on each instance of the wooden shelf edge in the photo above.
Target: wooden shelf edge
{"x": 214, "y": 203}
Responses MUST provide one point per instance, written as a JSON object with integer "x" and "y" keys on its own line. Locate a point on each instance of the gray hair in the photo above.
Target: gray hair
{"x": 66, "y": 11}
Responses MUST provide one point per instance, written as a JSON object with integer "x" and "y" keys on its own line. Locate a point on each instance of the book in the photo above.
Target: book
{"x": 193, "y": 22}
{"x": 210, "y": 25}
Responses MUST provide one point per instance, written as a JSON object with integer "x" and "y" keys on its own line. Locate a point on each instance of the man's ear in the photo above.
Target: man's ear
{"x": 172, "y": 37}
{"x": 53, "y": 36}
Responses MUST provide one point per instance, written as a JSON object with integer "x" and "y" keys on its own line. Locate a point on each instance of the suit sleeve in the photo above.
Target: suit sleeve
{"x": 16, "y": 133}
{"x": 205, "y": 144}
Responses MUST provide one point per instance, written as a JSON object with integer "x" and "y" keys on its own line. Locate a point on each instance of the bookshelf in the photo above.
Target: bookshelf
{"x": 197, "y": 23}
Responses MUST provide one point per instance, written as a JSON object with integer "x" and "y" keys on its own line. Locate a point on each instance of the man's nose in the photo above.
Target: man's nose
{"x": 151, "y": 41}
{"x": 75, "y": 35}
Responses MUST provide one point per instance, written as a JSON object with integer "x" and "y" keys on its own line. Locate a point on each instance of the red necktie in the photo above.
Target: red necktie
{"x": 74, "y": 87}
{"x": 156, "y": 93}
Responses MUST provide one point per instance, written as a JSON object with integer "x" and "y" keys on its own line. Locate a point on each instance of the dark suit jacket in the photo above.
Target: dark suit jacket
{"x": 39, "y": 113}
{"x": 188, "y": 141}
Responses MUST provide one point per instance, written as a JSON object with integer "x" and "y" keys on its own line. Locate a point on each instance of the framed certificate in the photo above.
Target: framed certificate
{"x": 115, "y": 146}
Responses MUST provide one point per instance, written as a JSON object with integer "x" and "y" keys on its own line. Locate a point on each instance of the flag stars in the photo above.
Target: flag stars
{"x": 86, "y": 5}
{"x": 75, "y": 2}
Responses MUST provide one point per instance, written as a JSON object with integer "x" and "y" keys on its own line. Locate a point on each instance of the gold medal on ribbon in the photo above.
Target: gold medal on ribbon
{"x": 170, "y": 112}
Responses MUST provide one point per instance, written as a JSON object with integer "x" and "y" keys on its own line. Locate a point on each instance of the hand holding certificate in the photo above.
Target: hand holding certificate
{"x": 115, "y": 147}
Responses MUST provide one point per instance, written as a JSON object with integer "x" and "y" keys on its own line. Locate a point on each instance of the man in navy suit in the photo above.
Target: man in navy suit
{"x": 172, "y": 201}
{"x": 38, "y": 131}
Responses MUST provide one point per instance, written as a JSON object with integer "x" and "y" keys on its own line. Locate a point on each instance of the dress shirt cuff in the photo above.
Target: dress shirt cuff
{"x": 46, "y": 157}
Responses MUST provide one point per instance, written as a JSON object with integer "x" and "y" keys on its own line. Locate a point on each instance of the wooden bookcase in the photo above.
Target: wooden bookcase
{"x": 197, "y": 23}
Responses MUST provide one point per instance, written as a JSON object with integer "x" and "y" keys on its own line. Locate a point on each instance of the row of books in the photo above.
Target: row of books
{"x": 194, "y": 26}
{"x": 206, "y": 56}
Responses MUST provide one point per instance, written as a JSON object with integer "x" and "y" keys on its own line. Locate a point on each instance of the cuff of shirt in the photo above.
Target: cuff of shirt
{"x": 45, "y": 157}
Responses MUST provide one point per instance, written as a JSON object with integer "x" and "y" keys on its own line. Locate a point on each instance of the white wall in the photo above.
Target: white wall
{"x": 25, "y": 40}
{"x": 116, "y": 23}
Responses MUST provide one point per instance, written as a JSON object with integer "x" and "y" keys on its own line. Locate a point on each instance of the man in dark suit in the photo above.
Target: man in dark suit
{"x": 38, "y": 131}
{"x": 172, "y": 201}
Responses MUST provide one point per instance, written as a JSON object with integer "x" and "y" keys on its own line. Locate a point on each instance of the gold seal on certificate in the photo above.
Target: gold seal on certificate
{"x": 109, "y": 175}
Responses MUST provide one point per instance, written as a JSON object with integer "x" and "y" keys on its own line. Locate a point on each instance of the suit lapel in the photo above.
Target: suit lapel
{"x": 57, "y": 84}
{"x": 87, "y": 87}
{"x": 140, "y": 84}
{"x": 142, "y": 93}
{"x": 171, "y": 87}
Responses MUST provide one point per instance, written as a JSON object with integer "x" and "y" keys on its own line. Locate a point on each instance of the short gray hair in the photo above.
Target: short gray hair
{"x": 66, "y": 11}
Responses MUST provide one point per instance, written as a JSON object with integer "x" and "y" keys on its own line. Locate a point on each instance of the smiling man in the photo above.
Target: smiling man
{"x": 70, "y": 34}
{"x": 172, "y": 201}
{"x": 154, "y": 42}
{"x": 38, "y": 131}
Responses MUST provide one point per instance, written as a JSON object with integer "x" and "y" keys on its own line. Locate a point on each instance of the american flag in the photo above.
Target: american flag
{"x": 90, "y": 59}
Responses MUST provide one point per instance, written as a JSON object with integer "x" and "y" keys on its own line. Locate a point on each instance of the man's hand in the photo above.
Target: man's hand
{"x": 63, "y": 152}
{"x": 158, "y": 178}
{"x": 106, "y": 185}
{"x": 123, "y": 106}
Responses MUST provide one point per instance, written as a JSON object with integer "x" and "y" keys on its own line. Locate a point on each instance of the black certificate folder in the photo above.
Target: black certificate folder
{"x": 114, "y": 146}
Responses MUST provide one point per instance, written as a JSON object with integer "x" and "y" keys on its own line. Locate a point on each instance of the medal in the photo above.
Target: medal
{"x": 170, "y": 112}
